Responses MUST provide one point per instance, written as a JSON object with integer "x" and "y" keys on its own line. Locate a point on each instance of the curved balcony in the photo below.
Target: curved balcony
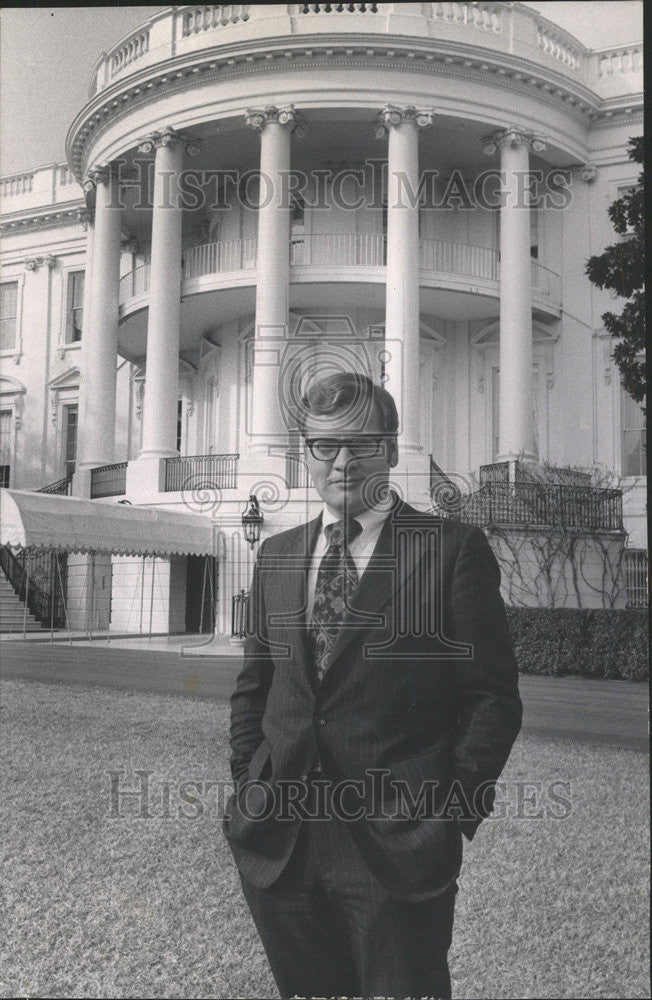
{"x": 506, "y": 28}
{"x": 346, "y": 257}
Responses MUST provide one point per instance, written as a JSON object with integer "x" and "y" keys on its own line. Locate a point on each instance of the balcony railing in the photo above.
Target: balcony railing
{"x": 220, "y": 258}
{"x": 62, "y": 487}
{"x": 575, "y": 508}
{"x": 296, "y": 471}
{"x": 201, "y": 472}
{"x": 545, "y": 281}
{"x": 108, "y": 480}
{"x": 344, "y": 250}
{"x": 134, "y": 283}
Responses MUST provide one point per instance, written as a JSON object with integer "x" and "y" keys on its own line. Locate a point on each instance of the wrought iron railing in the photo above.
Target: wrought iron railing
{"x": 497, "y": 472}
{"x": 239, "y": 606}
{"x": 109, "y": 480}
{"x": 443, "y": 491}
{"x": 296, "y": 471}
{"x": 62, "y": 487}
{"x": 636, "y": 576}
{"x": 39, "y": 587}
{"x": 197, "y": 472}
{"x": 578, "y": 508}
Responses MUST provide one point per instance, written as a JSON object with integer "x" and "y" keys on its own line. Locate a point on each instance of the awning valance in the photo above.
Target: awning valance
{"x": 46, "y": 521}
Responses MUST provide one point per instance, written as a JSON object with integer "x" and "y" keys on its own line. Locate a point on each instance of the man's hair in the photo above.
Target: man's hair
{"x": 348, "y": 394}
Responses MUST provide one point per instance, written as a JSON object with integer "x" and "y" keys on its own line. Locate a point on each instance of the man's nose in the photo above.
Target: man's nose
{"x": 344, "y": 458}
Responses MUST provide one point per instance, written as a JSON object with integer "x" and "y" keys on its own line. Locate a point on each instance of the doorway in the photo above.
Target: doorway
{"x": 201, "y": 593}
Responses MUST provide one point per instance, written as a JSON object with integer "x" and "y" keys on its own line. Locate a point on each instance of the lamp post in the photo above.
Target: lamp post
{"x": 252, "y": 521}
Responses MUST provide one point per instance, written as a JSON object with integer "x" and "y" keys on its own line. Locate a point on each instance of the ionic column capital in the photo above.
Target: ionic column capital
{"x": 258, "y": 118}
{"x": 586, "y": 172}
{"x": 392, "y": 115}
{"x": 169, "y": 137}
{"x": 512, "y": 137}
{"x": 33, "y": 263}
{"x": 96, "y": 175}
{"x": 85, "y": 217}
{"x": 129, "y": 245}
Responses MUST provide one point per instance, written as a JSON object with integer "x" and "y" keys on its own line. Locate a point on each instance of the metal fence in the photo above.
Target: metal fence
{"x": 62, "y": 487}
{"x": 109, "y": 480}
{"x": 636, "y": 575}
{"x": 544, "y": 505}
{"x": 195, "y": 472}
{"x": 239, "y": 606}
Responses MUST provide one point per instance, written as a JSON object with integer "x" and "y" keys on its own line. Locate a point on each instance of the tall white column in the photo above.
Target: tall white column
{"x": 164, "y": 317}
{"x": 402, "y": 282}
{"x": 267, "y": 427}
{"x": 96, "y": 441}
{"x": 516, "y": 425}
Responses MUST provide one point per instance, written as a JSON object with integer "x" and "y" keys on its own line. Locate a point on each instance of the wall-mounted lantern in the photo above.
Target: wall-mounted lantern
{"x": 252, "y": 521}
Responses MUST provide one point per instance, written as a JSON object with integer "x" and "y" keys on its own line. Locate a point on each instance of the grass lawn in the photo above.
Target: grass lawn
{"x": 124, "y": 906}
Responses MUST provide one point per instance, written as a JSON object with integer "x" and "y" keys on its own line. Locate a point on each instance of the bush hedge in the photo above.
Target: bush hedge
{"x": 588, "y": 642}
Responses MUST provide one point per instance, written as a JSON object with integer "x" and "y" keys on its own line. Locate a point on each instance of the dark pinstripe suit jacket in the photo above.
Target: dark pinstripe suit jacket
{"x": 422, "y": 685}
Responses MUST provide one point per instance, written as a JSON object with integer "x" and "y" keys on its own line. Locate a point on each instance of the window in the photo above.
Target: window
{"x": 633, "y": 444}
{"x": 70, "y": 414}
{"x": 8, "y": 315}
{"x": 75, "y": 311}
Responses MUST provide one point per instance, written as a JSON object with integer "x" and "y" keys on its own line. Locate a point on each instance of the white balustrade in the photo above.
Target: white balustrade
{"x": 134, "y": 283}
{"x": 198, "y": 19}
{"x": 485, "y": 16}
{"x": 220, "y": 258}
{"x": 559, "y": 46}
{"x": 135, "y": 47}
{"x": 621, "y": 61}
{"x": 341, "y": 250}
{"x": 545, "y": 281}
{"x": 187, "y": 29}
{"x": 16, "y": 184}
{"x": 445, "y": 257}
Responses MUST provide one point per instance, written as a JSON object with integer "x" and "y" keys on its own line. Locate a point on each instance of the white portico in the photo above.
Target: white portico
{"x": 271, "y": 191}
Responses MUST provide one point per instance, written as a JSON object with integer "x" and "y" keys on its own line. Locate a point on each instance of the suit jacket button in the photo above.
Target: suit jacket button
{"x": 322, "y": 722}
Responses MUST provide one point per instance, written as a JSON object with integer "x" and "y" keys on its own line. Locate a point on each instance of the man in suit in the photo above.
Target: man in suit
{"x": 376, "y": 708}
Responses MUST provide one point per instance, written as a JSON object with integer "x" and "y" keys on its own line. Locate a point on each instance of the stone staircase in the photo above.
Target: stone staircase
{"x": 12, "y": 610}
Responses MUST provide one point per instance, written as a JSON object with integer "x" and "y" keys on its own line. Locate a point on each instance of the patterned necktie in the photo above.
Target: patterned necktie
{"x": 337, "y": 578}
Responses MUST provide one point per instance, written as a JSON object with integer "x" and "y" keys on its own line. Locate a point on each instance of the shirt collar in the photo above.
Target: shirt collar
{"x": 368, "y": 519}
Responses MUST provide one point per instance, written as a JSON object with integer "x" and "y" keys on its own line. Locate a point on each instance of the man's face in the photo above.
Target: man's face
{"x": 339, "y": 475}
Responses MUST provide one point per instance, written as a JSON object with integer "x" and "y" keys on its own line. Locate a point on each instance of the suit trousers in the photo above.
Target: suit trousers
{"x": 330, "y": 929}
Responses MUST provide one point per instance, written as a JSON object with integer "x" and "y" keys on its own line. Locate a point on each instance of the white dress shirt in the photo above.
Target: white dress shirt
{"x": 360, "y": 547}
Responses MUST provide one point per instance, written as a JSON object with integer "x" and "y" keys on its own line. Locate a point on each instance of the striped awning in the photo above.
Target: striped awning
{"x": 45, "y": 521}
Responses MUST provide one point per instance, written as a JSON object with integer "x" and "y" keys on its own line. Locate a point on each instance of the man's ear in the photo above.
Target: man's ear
{"x": 393, "y": 452}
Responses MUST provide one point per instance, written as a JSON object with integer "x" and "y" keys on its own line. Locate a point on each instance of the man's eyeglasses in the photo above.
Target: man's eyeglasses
{"x": 362, "y": 446}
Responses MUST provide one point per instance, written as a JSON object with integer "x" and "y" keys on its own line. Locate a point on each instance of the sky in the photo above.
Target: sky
{"x": 47, "y": 55}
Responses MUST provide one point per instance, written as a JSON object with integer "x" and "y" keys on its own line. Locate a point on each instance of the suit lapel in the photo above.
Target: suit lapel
{"x": 397, "y": 554}
{"x": 287, "y": 600}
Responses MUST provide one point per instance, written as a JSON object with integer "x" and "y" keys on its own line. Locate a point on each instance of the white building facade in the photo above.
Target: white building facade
{"x": 257, "y": 194}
